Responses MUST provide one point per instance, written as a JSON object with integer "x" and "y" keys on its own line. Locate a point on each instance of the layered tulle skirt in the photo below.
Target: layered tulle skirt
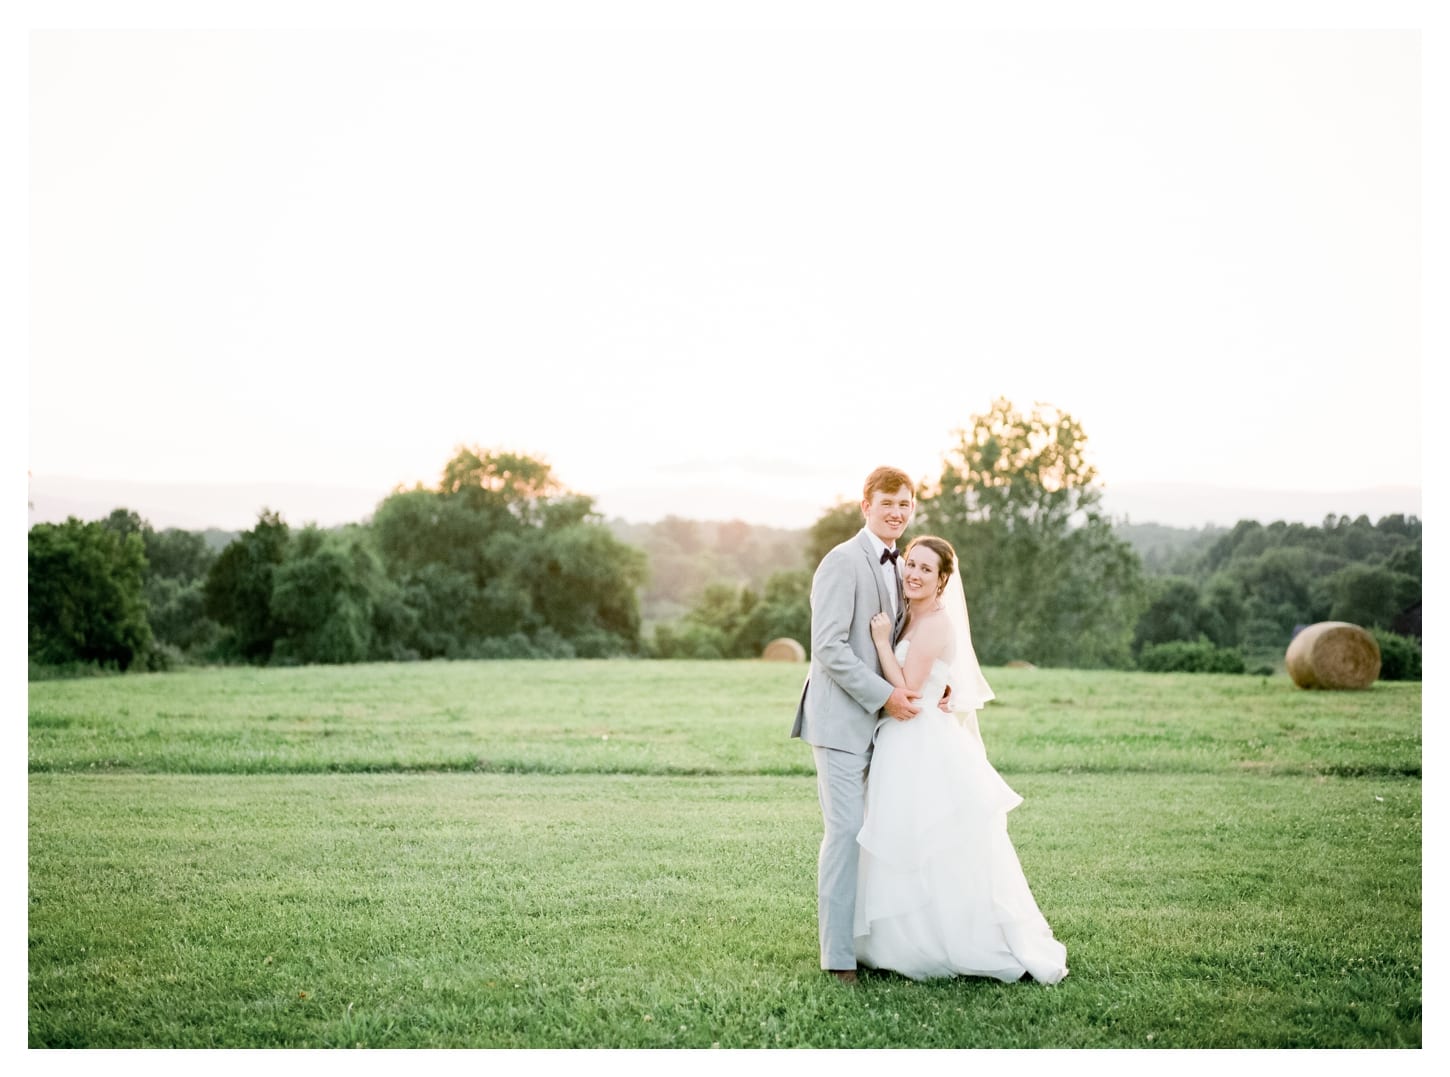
{"x": 940, "y": 891}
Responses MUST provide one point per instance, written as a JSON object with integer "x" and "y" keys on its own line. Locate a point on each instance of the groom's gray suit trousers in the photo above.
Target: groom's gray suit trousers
{"x": 841, "y": 782}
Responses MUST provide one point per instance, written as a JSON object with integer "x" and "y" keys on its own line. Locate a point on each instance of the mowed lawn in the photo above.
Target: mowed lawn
{"x": 622, "y": 854}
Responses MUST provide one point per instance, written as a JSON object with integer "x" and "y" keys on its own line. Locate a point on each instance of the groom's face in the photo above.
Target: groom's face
{"x": 887, "y": 514}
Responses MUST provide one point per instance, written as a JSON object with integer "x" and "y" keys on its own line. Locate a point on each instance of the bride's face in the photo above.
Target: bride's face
{"x": 921, "y": 578}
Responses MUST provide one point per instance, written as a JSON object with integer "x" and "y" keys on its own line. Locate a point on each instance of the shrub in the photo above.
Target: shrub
{"x": 689, "y": 640}
{"x": 52, "y": 671}
{"x": 1399, "y": 656}
{"x": 546, "y": 643}
{"x": 161, "y": 657}
{"x": 84, "y": 601}
{"x": 597, "y": 643}
{"x": 1181, "y": 656}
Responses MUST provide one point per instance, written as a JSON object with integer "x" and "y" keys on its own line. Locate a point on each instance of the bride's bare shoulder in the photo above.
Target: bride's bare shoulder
{"x": 933, "y": 632}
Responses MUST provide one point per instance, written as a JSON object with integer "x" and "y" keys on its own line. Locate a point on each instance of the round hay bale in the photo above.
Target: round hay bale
{"x": 1017, "y": 663}
{"x": 1333, "y": 654}
{"x": 783, "y": 650}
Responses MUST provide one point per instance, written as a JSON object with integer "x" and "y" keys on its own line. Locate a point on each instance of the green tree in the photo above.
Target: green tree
{"x": 177, "y": 563}
{"x": 586, "y": 588}
{"x": 419, "y": 527}
{"x": 325, "y": 597}
{"x": 723, "y": 607}
{"x": 1174, "y": 613}
{"x": 1045, "y": 576}
{"x": 1370, "y": 595}
{"x": 681, "y": 533}
{"x": 1258, "y": 581}
{"x": 679, "y": 563}
{"x": 501, "y": 550}
{"x": 1222, "y": 603}
{"x": 833, "y": 527}
{"x": 84, "y": 600}
{"x": 784, "y": 610}
{"x": 435, "y": 601}
{"x": 494, "y": 482}
{"x": 1247, "y": 540}
{"x": 176, "y": 611}
{"x": 123, "y": 522}
{"x": 1406, "y": 560}
{"x": 239, "y": 588}
{"x": 1282, "y": 588}
{"x": 684, "y": 555}
{"x": 457, "y": 564}
{"x": 176, "y": 554}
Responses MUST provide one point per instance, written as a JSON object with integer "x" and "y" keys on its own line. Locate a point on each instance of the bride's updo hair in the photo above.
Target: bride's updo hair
{"x": 944, "y": 552}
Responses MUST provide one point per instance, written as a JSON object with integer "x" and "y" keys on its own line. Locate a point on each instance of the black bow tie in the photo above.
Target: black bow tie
{"x": 890, "y": 555}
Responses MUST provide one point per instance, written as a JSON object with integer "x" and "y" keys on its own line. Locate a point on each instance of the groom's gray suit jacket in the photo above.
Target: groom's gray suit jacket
{"x": 844, "y": 691}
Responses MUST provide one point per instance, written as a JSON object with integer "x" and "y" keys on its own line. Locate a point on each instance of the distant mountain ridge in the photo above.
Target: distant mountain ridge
{"x": 234, "y": 506}
{"x": 199, "y": 506}
{"x": 1200, "y": 505}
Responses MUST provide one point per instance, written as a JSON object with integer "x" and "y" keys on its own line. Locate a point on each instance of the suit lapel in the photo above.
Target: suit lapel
{"x": 873, "y": 559}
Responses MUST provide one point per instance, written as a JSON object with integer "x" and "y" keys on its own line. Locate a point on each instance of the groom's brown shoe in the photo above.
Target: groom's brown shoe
{"x": 846, "y": 976}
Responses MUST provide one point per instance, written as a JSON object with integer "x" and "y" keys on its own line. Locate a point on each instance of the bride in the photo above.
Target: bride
{"x": 939, "y": 889}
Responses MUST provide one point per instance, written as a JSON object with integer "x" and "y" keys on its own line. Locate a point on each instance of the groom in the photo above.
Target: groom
{"x": 845, "y": 693}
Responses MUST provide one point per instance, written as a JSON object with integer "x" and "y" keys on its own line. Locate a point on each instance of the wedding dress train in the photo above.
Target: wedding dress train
{"x": 939, "y": 889}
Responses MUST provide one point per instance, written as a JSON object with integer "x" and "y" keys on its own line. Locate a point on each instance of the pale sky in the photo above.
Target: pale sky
{"x": 741, "y": 266}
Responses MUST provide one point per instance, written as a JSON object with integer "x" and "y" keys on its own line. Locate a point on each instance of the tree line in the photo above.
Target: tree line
{"x": 499, "y": 560}
{"x": 1052, "y": 581}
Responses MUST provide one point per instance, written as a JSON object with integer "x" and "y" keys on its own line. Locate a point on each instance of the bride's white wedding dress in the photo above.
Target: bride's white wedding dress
{"x": 939, "y": 890}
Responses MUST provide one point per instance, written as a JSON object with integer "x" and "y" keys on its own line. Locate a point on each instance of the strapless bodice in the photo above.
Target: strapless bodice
{"x": 936, "y": 682}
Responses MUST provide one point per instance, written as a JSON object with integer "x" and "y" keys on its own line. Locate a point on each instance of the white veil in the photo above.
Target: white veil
{"x": 970, "y": 690}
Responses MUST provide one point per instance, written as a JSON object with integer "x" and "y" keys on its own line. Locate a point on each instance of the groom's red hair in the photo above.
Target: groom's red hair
{"x": 888, "y": 480}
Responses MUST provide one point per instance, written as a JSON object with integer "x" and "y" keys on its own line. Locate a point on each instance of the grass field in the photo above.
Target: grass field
{"x": 622, "y": 854}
